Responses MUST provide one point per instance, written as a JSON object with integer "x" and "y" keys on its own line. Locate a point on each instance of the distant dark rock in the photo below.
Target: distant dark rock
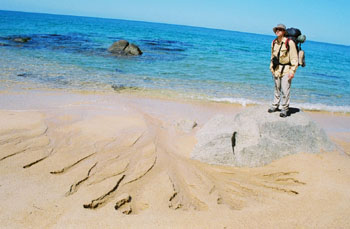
{"x": 23, "y": 74}
{"x": 124, "y": 48}
{"x": 21, "y": 39}
{"x": 121, "y": 87}
{"x": 3, "y": 44}
{"x": 255, "y": 137}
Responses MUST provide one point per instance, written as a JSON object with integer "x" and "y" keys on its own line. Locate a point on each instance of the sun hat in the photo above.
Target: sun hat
{"x": 280, "y": 26}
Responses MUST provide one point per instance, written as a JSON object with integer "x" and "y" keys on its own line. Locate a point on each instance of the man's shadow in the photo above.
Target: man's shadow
{"x": 292, "y": 110}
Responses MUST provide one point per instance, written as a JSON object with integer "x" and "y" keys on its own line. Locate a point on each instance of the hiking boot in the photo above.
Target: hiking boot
{"x": 272, "y": 109}
{"x": 284, "y": 113}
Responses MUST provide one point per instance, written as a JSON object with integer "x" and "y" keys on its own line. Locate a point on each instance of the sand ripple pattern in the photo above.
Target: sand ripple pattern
{"x": 132, "y": 163}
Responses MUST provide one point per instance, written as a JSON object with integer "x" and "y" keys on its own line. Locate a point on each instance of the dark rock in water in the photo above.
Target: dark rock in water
{"x": 118, "y": 87}
{"x": 123, "y": 47}
{"x": 255, "y": 137}
{"x": 21, "y": 39}
{"x": 133, "y": 50}
{"x": 22, "y": 74}
{"x": 3, "y": 44}
{"x": 118, "y": 46}
{"x": 122, "y": 87}
{"x": 25, "y": 74}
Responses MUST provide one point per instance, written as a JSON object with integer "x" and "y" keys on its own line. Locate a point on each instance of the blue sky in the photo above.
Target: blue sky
{"x": 326, "y": 21}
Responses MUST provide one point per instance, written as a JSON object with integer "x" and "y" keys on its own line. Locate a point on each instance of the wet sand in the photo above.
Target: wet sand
{"x": 70, "y": 160}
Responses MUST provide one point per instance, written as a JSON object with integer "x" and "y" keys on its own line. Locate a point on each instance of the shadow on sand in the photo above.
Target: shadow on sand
{"x": 292, "y": 110}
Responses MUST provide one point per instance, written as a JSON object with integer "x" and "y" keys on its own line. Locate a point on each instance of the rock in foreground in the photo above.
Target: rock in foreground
{"x": 255, "y": 138}
{"x": 124, "y": 48}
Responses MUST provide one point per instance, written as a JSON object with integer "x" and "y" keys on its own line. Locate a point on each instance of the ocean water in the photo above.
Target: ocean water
{"x": 70, "y": 53}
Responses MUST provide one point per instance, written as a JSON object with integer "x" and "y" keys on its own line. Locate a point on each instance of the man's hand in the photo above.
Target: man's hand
{"x": 290, "y": 77}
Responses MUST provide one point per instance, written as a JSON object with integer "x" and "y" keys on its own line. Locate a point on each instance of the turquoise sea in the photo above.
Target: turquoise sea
{"x": 70, "y": 53}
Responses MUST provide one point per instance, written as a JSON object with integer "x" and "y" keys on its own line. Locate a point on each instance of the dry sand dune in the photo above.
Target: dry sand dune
{"x": 131, "y": 169}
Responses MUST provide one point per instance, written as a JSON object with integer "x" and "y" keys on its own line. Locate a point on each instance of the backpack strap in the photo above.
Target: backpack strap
{"x": 287, "y": 44}
{"x": 279, "y": 52}
{"x": 273, "y": 43}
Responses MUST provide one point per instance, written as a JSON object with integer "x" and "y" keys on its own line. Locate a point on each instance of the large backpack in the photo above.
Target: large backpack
{"x": 295, "y": 35}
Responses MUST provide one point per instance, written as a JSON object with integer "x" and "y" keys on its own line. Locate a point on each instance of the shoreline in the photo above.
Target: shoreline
{"x": 336, "y": 124}
{"x": 168, "y": 95}
{"x": 332, "y": 122}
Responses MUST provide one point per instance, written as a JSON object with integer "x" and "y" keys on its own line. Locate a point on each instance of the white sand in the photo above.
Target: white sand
{"x": 67, "y": 159}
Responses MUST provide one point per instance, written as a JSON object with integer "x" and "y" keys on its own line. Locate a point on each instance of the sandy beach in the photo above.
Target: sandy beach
{"x": 75, "y": 160}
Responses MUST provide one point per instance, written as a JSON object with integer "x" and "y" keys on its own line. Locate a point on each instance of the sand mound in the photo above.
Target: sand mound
{"x": 118, "y": 156}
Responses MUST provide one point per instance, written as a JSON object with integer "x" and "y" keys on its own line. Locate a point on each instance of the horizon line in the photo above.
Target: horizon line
{"x": 165, "y": 23}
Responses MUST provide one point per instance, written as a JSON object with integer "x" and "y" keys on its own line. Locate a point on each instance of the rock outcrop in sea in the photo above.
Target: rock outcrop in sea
{"x": 255, "y": 137}
{"x": 20, "y": 39}
{"x": 124, "y": 48}
{"x": 14, "y": 40}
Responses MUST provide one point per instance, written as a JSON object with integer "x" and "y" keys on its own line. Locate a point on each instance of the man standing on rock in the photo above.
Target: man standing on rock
{"x": 284, "y": 63}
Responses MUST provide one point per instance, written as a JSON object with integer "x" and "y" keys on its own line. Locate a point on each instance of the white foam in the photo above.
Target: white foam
{"x": 305, "y": 106}
{"x": 322, "y": 107}
{"x": 242, "y": 101}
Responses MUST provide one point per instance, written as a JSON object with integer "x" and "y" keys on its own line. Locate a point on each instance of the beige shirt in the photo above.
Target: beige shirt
{"x": 285, "y": 57}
